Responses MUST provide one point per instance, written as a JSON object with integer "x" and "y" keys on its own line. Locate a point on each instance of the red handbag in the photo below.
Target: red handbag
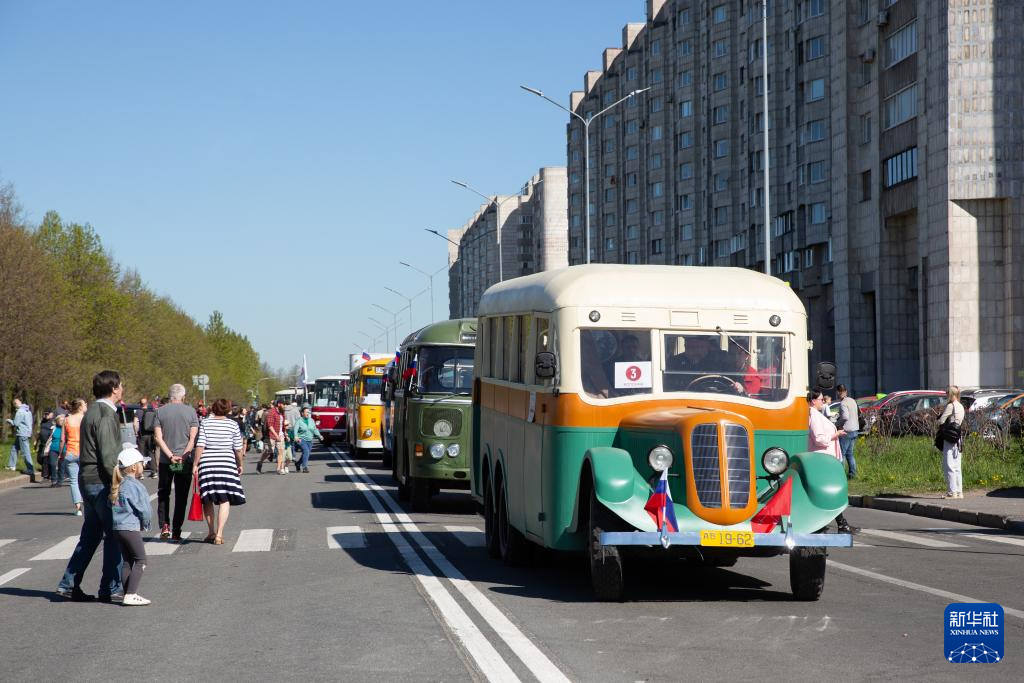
{"x": 195, "y": 510}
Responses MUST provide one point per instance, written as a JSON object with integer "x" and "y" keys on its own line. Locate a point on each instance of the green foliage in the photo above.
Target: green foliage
{"x": 912, "y": 464}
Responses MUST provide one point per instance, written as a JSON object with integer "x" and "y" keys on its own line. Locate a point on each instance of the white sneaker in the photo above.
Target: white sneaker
{"x": 135, "y": 600}
{"x": 78, "y": 513}
{"x": 282, "y": 471}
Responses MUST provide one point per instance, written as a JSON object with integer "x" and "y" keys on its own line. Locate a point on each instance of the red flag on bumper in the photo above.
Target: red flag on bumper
{"x": 771, "y": 514}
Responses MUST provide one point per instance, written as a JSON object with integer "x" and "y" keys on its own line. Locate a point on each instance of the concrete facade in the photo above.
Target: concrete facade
{"x": 533, "y": 232}
{"x": 896, "y": 171}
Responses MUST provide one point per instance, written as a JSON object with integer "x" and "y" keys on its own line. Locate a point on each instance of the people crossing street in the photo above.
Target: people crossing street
{"x": 305, "y": 430}
{"x": 175, "y": 434}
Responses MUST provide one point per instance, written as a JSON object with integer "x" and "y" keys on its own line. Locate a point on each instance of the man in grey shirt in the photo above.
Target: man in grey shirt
{"x": 848, "y": 422}
{"x": 292, "y": 414}
{"x": 175, "y": 434}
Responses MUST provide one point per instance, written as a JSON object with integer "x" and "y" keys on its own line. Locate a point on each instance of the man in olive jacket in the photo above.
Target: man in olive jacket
{"x": 100, "y": 445}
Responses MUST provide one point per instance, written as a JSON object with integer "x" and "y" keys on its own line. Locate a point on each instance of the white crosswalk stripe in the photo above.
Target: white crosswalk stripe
{"x": 254, "y": 541}
{"x": 154, "y": 546}
{"x": 13, "y": 574}
{"x": 469, "y": 536}
{"x": 1011, "y": 540}
{"x": 908, "y": 538}
{"x": 61, "y": 551}
{"x": 5, "y": 541}
{"x": 345, "y": 537}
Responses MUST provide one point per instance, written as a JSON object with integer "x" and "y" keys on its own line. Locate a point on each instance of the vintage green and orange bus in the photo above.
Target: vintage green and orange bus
{"x": 592, "y": 382}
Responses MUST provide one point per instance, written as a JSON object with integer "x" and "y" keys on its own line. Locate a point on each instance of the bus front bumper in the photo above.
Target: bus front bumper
{"x": 684, "y": 538}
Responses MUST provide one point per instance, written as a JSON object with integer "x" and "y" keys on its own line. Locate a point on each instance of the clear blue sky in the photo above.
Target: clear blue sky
{"x": 275, "y": 160}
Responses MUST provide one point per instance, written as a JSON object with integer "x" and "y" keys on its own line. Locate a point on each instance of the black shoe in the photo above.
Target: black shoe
{"x": 305, "y": 470}
{"x": 847, "y": 529}
{"x": 259, "y": 468}
{"x": 112, "y": 598}
{"x": 75, "y": 595}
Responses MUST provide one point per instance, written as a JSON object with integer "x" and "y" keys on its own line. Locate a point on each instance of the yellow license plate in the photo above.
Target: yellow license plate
{"x": 731, "y": 539}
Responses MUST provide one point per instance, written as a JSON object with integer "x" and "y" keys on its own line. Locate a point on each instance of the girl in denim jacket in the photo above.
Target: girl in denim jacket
{"x": 130, "y": 503}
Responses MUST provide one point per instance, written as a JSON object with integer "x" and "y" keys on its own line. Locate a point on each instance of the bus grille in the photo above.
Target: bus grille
{"x": 432, "y": 415}
{"x": 706, "y": 474}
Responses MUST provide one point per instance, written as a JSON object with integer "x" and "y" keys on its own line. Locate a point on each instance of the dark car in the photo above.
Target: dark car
{"x": 878, "y": 412}
{"x": 981, "y": 403}
{"x": 1004, "y": 420}
{"x": 912, "y": 415}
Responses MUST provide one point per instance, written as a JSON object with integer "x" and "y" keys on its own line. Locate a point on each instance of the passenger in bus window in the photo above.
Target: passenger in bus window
{"x": 748, "y": 381}
{"x": 595, "y": 380}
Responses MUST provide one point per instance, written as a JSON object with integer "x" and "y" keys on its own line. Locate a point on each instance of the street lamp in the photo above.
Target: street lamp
{"x": 497, "y": 218}
{"x": 767, "y": 194}
{"x": 256, "y": 391}
{"x": 394, "y": 316}
{"x": 408, "y": 301}
{"x": 586, "y": 146}
{"x": 430, "y": 283}
{"x": 382, "y": 326}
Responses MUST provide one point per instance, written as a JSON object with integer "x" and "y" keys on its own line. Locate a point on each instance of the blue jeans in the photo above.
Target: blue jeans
{"x": 71, "y": 462}
{"x": 306, "y": 446}
{"x": 846, "y": 447}
{"x": 22, "y": 443}
{"x": 56, "y": 473}
{"x": 97, "y": 526}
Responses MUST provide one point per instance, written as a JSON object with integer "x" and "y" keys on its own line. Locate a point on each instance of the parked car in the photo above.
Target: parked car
{"x": 1004, "y": 420}
{"x": 914, "y": 414}
{"x": 871, "y": 411}
{"x": 979, "y": 404}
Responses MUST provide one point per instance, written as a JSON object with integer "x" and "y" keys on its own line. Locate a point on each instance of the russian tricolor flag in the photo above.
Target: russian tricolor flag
{"x": 366, "y": 356}
{"x": 659, "y": 506}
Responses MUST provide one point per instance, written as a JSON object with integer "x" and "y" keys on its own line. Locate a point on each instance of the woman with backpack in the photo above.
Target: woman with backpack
{"x": 951, "y": 437}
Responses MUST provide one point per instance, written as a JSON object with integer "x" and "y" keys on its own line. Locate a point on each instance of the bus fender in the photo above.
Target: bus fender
{"x": 614, "y": 474}
{"x": 819, "y": 492}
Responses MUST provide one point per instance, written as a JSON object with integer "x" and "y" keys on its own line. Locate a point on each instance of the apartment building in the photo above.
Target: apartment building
{"x": 895, "y": 171}
{"x": 509, "y": 236}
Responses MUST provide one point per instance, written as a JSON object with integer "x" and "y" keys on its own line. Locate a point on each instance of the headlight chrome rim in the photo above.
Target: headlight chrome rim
{"x": 775, "y": 461}
{"x": 437, "y": 451}
{"x": 442, "y": 428}
{"x": 660, "y": 458}
{"x": 453, "y": 450}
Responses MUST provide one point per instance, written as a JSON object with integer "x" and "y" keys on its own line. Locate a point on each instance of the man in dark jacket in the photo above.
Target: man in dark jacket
{"x": 100, "y": 446}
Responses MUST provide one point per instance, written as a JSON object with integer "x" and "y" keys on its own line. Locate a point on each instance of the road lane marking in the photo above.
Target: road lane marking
{"x": 61, "y": 551}
{"x": 998, "y": 539}
{"x": 339, "y": 537}
{"x": 254, "y": 541}
{"x": 469, "y": 536}
{"x": 5, "y": 541}
{"x": 530, "y": 655}
{"x": 13, "y": 574}
{"x": 907, "y": 538}
{"x": 154, "y": 546}
{"x": 954, "y": 597}
{"x": 447, "y": 609}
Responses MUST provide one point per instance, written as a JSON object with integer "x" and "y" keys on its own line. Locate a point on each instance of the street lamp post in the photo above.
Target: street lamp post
{"x": 394, "y": 316}
{"x": 408, "y": 301}
{"x": 767, "y": 194}
{"x": 256, "y": 390}
{"x": 462, "y": 266}
{"x": 430, "y": 283}
{"x": 586, "y": 146}
{"x": 384, "y": 328}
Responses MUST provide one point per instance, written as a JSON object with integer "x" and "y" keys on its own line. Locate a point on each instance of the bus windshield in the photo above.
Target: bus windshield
{"x": 329, "y": 393}
{"x": 619, "y": 362}
{"x": 445, "y": 369}
{"x": 372, "y": 384}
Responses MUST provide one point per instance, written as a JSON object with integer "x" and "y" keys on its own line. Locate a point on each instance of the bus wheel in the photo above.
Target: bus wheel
{"x": 606, "y": 562}
{"x": 403, "y": 489}
{"x": 490, "y": 533}
{"x": 807, "y": 572}
{"x": 419, "y": 492}
{"x": 512, "y": 545}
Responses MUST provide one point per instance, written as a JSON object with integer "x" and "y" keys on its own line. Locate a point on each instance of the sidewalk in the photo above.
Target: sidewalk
{"x": 7, "y": 483}
{"x": 999, "y": 509}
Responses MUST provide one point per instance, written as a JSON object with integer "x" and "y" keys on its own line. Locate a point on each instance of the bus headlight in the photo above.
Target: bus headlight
{"x": 443, "y": 428}
{"x": 453, "y": 450}
{"x": 437, "y": 451}
{"x": 660, "y": 458}
{"x": 367, "y": 433}
{"x": 775, "y": 461}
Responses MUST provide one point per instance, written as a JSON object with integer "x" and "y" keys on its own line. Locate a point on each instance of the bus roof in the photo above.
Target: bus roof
{"x": 331, "y": 377}
{"x": 641, "y": 286}
{"x": 375, "y": 363}
{"x": 458, "y": 331}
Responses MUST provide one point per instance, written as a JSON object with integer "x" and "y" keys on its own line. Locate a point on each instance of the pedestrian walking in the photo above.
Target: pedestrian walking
{"x": 131, "y": 511}
{"x": 43, "y": 445}
{"x": 218, "y": 466}
{"x": 145, "y": 425}
{"x": 54, "y": 449}
{"x": 823, "y": 437}
{"x": 72, "y": 450}
{"x": 305, "y": 430}
{"x": 273, "y": 418}
{"x": 849, "y": 423}
{"x": 175, "y": 434}
{"x": 22, "y": 423}
{"x": 951, "y": 437}
{"x": 101, "y": 445}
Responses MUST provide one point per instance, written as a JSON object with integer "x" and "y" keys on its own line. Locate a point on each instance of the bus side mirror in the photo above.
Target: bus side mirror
{"x": 544, "y": 366}
{"x": 826, "y": 375}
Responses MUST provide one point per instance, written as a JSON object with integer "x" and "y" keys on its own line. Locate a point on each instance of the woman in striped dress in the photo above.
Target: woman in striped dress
{"x": 218, "y": 464}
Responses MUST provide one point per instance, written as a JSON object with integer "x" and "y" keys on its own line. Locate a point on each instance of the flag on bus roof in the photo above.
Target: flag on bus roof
{"x": 366, "y": 356}
{"x": 660, "y": 507}
{"x": 411, "y": 370}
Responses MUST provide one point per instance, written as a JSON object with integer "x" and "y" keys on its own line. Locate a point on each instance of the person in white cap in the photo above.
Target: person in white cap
{"x": 130, "y": 503}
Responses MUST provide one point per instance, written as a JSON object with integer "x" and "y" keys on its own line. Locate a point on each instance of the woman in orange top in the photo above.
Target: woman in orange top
{"x": 72, "y": 432}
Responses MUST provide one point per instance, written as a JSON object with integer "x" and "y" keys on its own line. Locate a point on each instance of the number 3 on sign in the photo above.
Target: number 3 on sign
{"x": 633, "y": 375}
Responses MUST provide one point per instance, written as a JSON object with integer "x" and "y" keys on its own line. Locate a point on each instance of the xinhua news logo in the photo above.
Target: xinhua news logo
{"x": 974, "y": 633}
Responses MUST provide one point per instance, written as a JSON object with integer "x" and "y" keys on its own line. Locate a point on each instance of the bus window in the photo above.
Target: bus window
{"x": 615, "y": 362}
{"x": 328, "y": 393}
{"x": 525, "y": 362}
{"x": 445, "y": 369}
{"x": 748, "y": 365}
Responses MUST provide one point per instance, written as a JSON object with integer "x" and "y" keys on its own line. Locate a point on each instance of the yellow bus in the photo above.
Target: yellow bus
{"x": 600, "y": 390}
{"x": 364, "y": 411}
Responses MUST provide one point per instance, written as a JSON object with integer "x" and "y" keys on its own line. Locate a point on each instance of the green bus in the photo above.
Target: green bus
{"x": 432, "y": 410}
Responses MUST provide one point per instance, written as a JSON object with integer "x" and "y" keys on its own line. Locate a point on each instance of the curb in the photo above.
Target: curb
{"x": 14, "y": 482}
{"x": 949, "y": 514}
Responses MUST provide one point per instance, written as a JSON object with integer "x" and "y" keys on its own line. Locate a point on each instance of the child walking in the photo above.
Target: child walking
{"x": 130, "y": 502}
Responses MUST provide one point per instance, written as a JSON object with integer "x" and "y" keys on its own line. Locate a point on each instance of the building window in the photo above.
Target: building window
{"x": 609, "y": 220}
{"x": 655, "y": 47}
{"x": 631, "y": 73}
{"x": 865, "y": 129}
{"x": 685, "y": 48}
{"x": 657, "y": 246}
{"x": 575, "y": 155}
{"x": 575, "y": 221}
{"x": 900, "y": 107}
{"x": 721, "y": 148}
{"x": 631, "y": 232}
{"x": 686, "y": 109}
{"x": 814, "y": 48}
{"x": 609, "y": 194}
{"x": 814, "y": 131}
{"x": 901, "y": 44}
{"x": 608, "y": 98}
{"x": 721, "y": 182}
{"x": 631, "y": 127}
{"x": 609, "y": 146}
{"x": 609, "y": 170}
{"x": 609, "y": 243}
{"x": 685, "y": 170}
{"x": 808, "y": 257}
{"x": 719, "y": 14}
{"x": 574, "y": 178}
{"x": 721, "y": 215}
{"x": 656, "y": 104}
{"x": 816, "y": 171}
{"x": 631, "y": 180}
{"x": 685, "y": 78}
{"x": 815, "y": 8}
{"x": 632, "y": 257}
{"x": 684, "y": 202}
{"x": 632, "y": 152}
{"x": 865, "y": 186}
{"x": 683, "y": 18}
{"x": 816, "y": 90}
{"x": 901, "y": 168}
{"x": 685, "y": 139}
{"x": 656, "y": 75}
{"x": 631, "y": 206}
{"x": 609, "y": 121}
{"x": 686, "y": 231}
{"x": 656, "y": 189}
{"x": 720, "y": 114}
{"x": 658, "y": 218}
{"x": 654, "y": 163}
{"x": 818, "y": 213}
{"x": 720, "y": 81}
{"x": 720, "y": 48}
{"x": 655, "y": 133}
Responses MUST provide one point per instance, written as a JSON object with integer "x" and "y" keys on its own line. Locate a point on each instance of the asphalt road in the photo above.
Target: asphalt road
{"x": 324, "y": 577}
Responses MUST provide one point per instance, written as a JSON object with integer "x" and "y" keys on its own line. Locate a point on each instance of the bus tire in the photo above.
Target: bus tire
{"x": 807, "y": 572}
{"x": 607, "y": 575}
{"x": 419, "y": 493}
{"x": 403, "y": 488}
{"x": 512, "y": 545}
{"x": 490, "y": 522}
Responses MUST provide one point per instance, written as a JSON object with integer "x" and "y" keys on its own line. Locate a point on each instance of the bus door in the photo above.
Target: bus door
{"x": 535, "y": 336}
{"x": 404, "y": 435}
